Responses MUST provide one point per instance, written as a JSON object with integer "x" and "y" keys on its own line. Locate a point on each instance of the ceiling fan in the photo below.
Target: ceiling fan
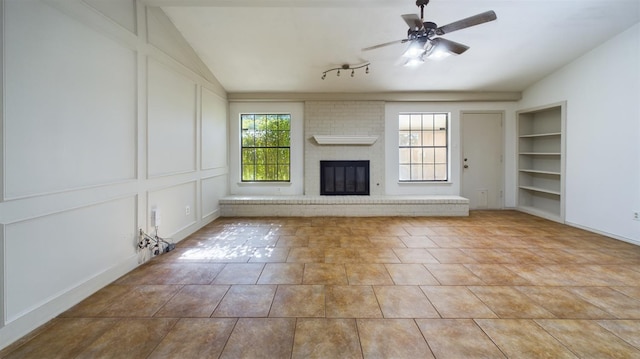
{"x": 422, "y": 39}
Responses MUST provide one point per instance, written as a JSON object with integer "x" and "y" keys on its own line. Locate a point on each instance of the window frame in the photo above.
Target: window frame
{"x": 277, "y": 147}
{"x": 422, "y": 147}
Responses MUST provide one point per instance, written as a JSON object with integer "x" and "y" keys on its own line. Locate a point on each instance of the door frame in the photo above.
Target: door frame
{"x": 502, "y": 113}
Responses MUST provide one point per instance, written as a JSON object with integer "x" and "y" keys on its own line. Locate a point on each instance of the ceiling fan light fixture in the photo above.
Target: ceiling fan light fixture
{"x": 439, "y": 54}
{"x": 414, "y": 62}
{"x": 435, "y": 52}
{"x": 415, "y": 50}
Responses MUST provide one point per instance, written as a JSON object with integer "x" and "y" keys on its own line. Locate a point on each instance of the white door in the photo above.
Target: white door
{"x": 482, "y": 159}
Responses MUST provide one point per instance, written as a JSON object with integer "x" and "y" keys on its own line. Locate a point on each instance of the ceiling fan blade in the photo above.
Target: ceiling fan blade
{"x": 467, "y": 22}
{"x": 385, "y": 44}
{"x": 413, "y": 20}
{"x": 440, "y": 44}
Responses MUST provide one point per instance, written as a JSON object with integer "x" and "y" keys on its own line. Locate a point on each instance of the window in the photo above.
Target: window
{"x": 265, "y": 147}
{"x": 423, "y": 147}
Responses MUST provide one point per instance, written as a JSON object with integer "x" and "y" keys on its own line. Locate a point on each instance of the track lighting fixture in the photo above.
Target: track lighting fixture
{"x": 353, "y": 69}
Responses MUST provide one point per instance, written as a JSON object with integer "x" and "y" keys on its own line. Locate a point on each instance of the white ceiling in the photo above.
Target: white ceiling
{"x": 285, "y": 45}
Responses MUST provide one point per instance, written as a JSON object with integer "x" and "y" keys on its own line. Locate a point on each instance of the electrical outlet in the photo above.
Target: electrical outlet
{"x": 187, "y": 210}
{"x": 636, "y": 216}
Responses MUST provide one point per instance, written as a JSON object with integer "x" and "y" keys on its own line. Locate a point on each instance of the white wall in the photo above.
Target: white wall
{"x": 296, "y": 184}
{"x": 602, "y": 90}
{"x": 101, "y": 124}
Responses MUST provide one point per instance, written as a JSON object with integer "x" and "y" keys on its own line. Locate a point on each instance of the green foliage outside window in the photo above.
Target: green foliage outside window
{"x": 266, "y": 147}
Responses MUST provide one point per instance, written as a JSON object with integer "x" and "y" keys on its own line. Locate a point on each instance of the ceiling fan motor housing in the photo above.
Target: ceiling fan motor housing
{"x": 430, "y": 25}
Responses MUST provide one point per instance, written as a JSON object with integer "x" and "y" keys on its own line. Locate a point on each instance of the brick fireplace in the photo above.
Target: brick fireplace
{"x": 344, "y": 118}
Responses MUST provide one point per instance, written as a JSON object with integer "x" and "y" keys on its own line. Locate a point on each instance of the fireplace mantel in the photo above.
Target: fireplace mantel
{"x": 345, "y": 140}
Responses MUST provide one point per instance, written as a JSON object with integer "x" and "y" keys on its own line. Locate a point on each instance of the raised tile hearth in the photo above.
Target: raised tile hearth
{"x": 356, "y": 206}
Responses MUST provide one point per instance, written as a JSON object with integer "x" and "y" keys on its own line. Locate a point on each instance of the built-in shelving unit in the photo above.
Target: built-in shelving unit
{"x": 541, "y": 161}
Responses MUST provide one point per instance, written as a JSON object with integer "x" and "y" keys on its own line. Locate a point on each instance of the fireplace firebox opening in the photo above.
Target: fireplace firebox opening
{"x": 344, "y": 178}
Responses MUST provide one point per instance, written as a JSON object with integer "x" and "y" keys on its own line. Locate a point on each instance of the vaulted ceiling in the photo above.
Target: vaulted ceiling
{"x": 286, "y": 45}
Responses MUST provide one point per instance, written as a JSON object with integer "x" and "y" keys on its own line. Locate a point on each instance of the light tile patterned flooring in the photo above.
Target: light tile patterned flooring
{"x": 496, "y": 284}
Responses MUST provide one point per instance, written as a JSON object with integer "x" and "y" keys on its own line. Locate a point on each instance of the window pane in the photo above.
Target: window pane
{"x": 261, "y": 139}
{"x": 283, "y": 156}
{"x": 441, "y": 172}
{"x": 284, "y": 122}
{"x": 248, "y": 173}
{"x": 416, "y": 172}
{"x": 428, "y": 155}
{"x": 416, "y": 122}
{"x": 440, "y": 122}
{"x": 440, "y": 138}
{"x": 427, "y": 138}
{"x": 261, "y": 121}
{"x": 272, "y": 122}
{"x": 247, "y": 122}
{"x": 270, "y": 173}
{"x": 271, "y": 138}
{"x": 283, "y": 173}
{"x": 428, "y": 172}
{"x": 248, "y": 156}
{"x": 405, "y": 155}
{"x": 272, "y": 156}
{"x": 403, "y": 123}
{"x": 441, "y": 155}
{"x": 416, "y": 155}
{"x": 405, "y": 138}
{"x": 261, "y": 156}
{"x": 427, "y": 122}
{"x": 247, "y": 139}
{"x": 416, "y": 140}
{"x": 283, "y": 138}
{"x": 405, "y": 173}
{"x": 248, "y": 127}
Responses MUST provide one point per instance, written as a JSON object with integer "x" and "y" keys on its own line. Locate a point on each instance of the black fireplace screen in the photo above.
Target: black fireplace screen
{"x": 344, "y": 178}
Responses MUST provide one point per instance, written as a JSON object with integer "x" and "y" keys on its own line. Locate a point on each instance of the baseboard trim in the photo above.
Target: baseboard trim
{"x": 614, "y": 236}
{"x": 32, "y": 320}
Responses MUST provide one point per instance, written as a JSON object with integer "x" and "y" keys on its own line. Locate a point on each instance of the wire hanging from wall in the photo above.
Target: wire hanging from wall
{"x": 149, "y": 246}
{"x": 347, "y": 67}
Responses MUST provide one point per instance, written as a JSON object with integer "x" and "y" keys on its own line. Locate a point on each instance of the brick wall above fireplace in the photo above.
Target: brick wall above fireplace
{"x": 344, "y": 118}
